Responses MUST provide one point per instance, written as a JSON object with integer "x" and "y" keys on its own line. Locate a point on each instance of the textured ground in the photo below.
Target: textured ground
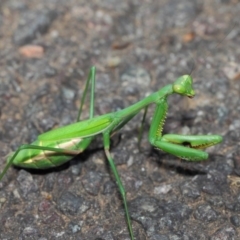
{"x": 138, "y": 47}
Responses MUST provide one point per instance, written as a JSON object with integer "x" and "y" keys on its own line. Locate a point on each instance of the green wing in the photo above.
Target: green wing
{"x": 83, "y": 129}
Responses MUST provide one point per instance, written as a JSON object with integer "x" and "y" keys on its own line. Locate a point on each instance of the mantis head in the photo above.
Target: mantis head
{"x": 183, "y": 86}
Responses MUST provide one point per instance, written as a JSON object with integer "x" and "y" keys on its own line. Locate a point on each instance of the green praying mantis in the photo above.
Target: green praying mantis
{"x": 57, "y": 146}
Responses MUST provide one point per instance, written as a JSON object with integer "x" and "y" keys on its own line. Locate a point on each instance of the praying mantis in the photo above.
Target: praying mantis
{"x": 57, "y": 146}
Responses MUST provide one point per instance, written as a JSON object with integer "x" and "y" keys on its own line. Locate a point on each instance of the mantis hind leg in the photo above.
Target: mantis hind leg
{"x": 82, "y": 146}
{"x": 91, "y": 78}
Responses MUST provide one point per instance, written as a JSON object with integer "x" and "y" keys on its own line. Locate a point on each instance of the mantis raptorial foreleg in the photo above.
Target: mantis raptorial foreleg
{"x": 182, "y": 146}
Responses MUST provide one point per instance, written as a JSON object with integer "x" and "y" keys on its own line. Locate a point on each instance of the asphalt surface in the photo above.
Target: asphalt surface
{"x": 137, "y": 47}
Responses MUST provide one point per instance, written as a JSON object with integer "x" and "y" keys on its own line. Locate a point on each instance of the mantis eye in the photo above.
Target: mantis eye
{"x": 180, "y": 89}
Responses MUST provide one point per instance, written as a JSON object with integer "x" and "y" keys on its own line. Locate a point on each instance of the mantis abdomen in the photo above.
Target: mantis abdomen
{"x": 43, "y": 159}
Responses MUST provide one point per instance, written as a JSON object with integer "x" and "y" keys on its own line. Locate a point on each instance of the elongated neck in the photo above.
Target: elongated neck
{"x": 153, "y": 98}
{"x": 165, "y": 92}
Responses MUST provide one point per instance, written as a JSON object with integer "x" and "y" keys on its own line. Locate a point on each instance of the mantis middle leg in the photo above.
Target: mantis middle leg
{"x": 106, "y": 138}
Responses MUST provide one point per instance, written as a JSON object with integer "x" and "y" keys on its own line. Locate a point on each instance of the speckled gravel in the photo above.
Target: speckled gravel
{"x": 138, "y": 47}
